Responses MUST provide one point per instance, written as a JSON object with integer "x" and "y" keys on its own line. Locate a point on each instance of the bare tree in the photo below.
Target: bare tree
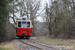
{"x": 48, "y": 18}
{"x": 13, "y": 9}
{"x": 31, "y": 8}
{"x": 60, "y": 17}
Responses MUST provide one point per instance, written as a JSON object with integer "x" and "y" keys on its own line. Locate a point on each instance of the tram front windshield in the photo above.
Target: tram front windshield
{"x": 23, "y": 24}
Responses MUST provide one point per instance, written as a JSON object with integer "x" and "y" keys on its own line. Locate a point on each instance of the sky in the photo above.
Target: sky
{"x": 40, "y": 19}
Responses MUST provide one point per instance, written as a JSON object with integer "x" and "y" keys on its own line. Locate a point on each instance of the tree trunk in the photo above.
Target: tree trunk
{"x": 33, "y": 34}
{"x": 31, "y": 17}
{"x": 50, "y": 29}
{"x": 73, "y": 2}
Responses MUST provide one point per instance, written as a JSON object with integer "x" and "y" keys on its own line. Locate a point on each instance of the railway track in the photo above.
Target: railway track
{"x": 25, "y": 42}
{"x": 45, "y": 45}
{"x": 38, "y": 45}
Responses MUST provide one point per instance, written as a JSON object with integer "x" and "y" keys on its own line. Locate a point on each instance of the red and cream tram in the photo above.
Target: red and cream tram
{"x": 24, "y": 28}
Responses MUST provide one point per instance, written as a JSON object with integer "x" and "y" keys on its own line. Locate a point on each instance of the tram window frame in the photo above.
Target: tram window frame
{"x": 29, "y": 24}
{"x": 26, "y": 24}
{"x": 18, "y": 23}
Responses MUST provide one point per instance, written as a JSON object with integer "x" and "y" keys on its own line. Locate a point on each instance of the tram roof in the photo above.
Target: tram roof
{"x": 23, "y": 20}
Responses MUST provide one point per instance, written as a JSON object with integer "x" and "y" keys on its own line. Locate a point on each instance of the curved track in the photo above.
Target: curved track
{"x": 39, "y": 45}
{"x": 25, "y": 42}
{"x": 45, "y": 45}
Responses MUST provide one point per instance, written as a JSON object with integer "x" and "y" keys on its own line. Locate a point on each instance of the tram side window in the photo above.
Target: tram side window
{"x": 28, "y": 24}
{"x": 19, "y": 24}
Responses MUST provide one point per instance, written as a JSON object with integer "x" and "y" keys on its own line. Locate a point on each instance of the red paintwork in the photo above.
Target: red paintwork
{"x": 27, "y": 31}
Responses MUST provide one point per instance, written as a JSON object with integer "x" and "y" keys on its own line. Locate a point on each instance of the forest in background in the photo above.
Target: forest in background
{"x": 58, "y": 17}
{"x": 6, "y": 29}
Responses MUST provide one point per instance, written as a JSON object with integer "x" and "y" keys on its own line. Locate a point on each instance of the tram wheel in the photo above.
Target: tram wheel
{"x": 21, "y": 37}
{"x": 27, "y": 37}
